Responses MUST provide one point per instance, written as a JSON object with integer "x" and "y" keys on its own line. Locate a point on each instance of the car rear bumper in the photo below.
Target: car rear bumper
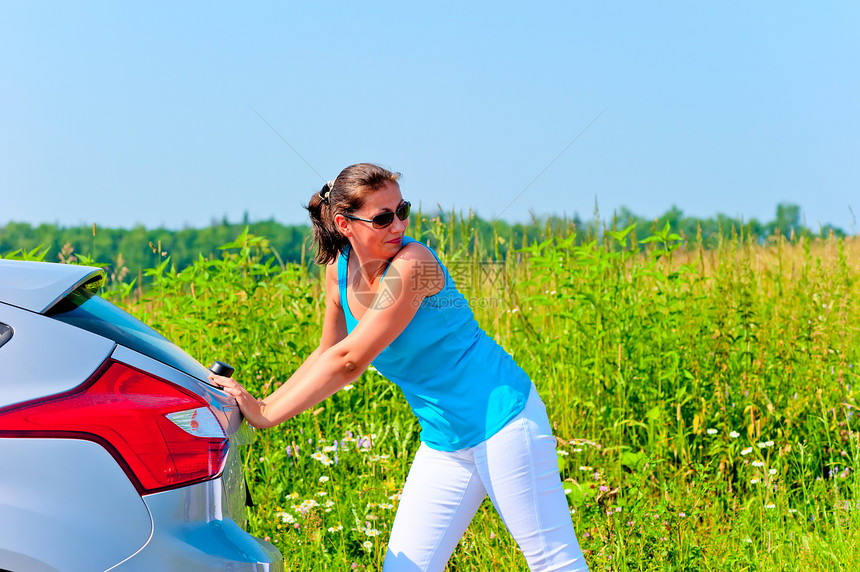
{"x": 86, "y": 515}
{"x": 191, "y": 532}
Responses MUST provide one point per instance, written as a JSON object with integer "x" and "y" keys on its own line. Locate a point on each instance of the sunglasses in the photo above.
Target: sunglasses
{"x": 384, "y": 220}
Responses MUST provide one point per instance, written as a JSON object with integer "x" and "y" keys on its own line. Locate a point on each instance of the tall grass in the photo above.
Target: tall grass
{"x": 704, "y": 399}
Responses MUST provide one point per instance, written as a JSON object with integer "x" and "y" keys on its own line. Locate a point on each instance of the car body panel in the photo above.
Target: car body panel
{"x": 38, "y": 286}
{"x": 192, "y": 532}
{"x": 60, "y": 357}
{"x": 85, "y": 501}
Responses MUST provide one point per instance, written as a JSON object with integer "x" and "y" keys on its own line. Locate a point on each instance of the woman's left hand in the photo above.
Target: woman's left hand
{"x": 251, "y": 407}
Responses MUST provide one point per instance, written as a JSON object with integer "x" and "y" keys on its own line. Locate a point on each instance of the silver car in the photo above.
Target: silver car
{"x": 115, "y": 451}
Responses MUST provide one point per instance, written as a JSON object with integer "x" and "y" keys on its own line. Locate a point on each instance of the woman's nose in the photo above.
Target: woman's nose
{"x": 398, "y": 225}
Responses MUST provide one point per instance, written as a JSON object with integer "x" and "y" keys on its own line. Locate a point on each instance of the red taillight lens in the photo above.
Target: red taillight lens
{"x": 163, "y": 435}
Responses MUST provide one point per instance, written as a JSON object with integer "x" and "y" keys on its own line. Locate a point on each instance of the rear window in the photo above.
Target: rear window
{"x": 90, "y": 312}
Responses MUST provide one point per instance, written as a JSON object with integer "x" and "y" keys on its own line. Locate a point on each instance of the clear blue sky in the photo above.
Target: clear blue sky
{"x": 119, "y": 113}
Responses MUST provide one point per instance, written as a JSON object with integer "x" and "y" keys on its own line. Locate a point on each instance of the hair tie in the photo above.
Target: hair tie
{"x": 326, "y": 192}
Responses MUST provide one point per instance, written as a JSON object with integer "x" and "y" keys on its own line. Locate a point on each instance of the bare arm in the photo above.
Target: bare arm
{"x": 334, "y": 330}
{"x": 340, "y": 358}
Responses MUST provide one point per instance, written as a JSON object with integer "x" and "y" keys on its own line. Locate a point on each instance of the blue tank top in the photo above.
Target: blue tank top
{"x": 459, "y": 382}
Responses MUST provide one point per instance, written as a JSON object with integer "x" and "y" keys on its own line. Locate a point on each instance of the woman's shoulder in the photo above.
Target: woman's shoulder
{"x": 418, "y": 266}
{"x": 413, "y": 250}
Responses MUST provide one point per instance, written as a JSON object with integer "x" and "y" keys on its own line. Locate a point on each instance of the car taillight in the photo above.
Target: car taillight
{"x": 163, "y": 435}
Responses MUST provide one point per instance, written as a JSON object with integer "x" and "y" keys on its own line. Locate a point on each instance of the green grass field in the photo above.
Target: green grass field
{"x": 704, "y": 399}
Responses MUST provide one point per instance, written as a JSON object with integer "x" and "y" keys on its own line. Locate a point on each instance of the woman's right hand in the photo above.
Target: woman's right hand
{"x": 252, "y": 408}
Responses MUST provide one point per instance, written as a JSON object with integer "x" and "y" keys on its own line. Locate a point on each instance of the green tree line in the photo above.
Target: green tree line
{"x": 132, "y": 250}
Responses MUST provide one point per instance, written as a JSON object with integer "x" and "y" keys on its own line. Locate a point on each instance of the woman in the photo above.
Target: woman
{"x": 484, "y": 429}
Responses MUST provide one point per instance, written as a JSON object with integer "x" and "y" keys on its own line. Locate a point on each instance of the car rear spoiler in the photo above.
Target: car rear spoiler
{"x": 38, "y": 286}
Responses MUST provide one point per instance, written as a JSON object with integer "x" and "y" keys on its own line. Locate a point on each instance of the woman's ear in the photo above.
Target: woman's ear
{"x": 342, "y": 224}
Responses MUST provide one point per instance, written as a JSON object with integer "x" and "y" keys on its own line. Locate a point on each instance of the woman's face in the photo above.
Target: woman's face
{"x": 378, "y": 243}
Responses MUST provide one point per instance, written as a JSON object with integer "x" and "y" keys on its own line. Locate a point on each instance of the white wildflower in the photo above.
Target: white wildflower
{"x": 307, "y": 505}
{"x": 322, "y": 458}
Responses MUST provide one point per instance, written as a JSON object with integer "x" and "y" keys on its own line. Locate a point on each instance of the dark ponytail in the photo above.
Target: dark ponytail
{"x": 327, "y": 238}
{"x": 343, "y": 195}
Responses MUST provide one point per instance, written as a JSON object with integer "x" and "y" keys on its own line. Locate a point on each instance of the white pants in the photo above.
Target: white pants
{"x": 518, "y": 468}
